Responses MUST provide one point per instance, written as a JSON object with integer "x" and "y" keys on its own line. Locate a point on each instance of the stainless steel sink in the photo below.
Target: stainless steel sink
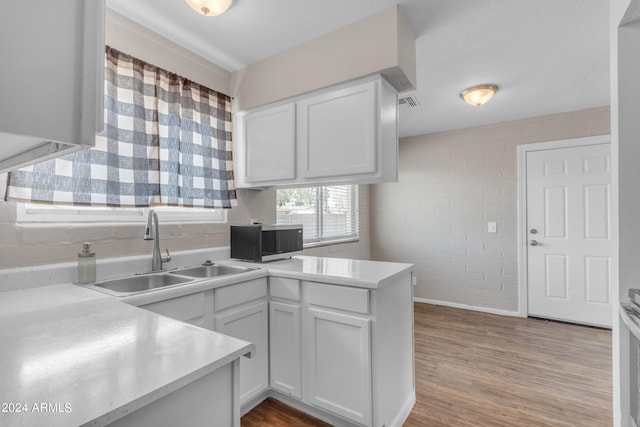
{"x": 212, "y": 270}
{"x": 149, "y": 282}
{"x": 142, "y": 283}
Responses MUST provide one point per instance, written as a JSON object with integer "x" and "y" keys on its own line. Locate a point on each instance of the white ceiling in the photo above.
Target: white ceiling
{"x": 547, "y": 56}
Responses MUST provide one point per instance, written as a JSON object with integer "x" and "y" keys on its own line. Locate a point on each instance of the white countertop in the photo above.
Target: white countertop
{"x": 91, "y": 359}
{"x": 197, "y": 285}
{"x": 630, "y": 318}
{"x": 339, "y": 271}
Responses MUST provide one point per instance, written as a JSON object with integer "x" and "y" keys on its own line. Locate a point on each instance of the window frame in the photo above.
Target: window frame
{"x": 33, "y": 213}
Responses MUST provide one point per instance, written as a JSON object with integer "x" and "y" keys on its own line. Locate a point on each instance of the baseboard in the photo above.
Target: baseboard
{"x": 320, "y": 414}
{"x": 334, "y": 420}
{"x": 254, "y": 402}
{"x": 402, "y": 416}
{"x": 469, "y": 307}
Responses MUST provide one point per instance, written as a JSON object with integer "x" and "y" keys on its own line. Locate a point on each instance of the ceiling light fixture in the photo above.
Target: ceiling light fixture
{"x": 210, "y": 7}
{"x": 478, "y": 95}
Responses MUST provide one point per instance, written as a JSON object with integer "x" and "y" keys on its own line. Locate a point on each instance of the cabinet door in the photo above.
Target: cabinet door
{"x": 269, "y": 144}
{"x": 337, "y": 364}
{"x": 196, "y": 309}
{"x": 284, "y": 339}
{"x": 337, "y": 132}
{"x": 249, "y": 323}
{"x": 52, "y": 78}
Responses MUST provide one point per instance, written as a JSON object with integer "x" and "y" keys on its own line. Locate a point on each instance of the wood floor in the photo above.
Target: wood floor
{"x": 477, "y": 369}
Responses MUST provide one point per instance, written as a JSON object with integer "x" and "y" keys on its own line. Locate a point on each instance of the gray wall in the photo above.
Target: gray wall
{"x": 450, "y": 185}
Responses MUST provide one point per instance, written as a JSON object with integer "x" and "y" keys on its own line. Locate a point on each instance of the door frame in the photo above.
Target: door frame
{"x": 523, "y": 260}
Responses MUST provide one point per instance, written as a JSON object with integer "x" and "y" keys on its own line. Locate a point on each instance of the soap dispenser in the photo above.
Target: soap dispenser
{"x": 86, "y": 265}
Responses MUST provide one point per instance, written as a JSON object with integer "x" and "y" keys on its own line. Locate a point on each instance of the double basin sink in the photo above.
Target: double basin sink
{"x": 152, "y": 281}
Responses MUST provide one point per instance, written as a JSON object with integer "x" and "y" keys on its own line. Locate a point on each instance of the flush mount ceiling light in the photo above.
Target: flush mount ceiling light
{"x": 478, "y": 95}
{"x": 210, "y": 7}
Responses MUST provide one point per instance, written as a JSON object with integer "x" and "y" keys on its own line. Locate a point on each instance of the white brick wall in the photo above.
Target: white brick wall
{"x": 37, "y": 244}
{"x": 450, "y": 185}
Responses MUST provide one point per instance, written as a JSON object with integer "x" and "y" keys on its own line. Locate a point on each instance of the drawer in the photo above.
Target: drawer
{"x": 340, "y": 297}
{"x": 189, "y": 308}
{"x": 228, "y": 296}
{"x": 281, "y": 287}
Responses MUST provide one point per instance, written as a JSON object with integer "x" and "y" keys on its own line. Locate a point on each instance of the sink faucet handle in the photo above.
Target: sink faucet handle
{"x": 168, "y": 257}
{"x": 207, "y": 263}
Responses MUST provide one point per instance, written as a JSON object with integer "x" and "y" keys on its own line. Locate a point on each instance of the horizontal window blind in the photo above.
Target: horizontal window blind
{"x": 327, "y": 214}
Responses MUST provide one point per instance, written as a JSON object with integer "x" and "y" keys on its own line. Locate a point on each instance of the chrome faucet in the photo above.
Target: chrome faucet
{"x": 157, "y": 259}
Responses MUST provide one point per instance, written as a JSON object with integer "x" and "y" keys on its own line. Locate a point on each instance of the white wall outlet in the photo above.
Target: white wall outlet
{"x": 492, "y": 227}
{"x": 414, "y": 280}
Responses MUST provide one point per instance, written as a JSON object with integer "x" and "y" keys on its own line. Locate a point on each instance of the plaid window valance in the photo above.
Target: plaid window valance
{"x": 167, "y": 141}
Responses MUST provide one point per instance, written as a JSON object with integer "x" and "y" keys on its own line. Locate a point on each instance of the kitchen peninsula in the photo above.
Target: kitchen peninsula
{"x": 72, "y": 357}
{"x": 332, "y": 337}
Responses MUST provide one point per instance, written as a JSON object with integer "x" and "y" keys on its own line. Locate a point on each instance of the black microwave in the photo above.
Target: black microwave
{"x": 260, "y": 243}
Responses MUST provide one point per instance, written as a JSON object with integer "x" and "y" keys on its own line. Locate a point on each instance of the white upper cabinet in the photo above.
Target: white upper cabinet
{"x": 346, "y": 134}
{"x": 337, "y": 131}
{"x": 52, "y": 78}
{"x": 269, "y": 149}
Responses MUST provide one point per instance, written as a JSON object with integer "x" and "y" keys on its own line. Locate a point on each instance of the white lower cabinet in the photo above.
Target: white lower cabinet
{"x": 240, "y": 310}
{"x": 340, "y": 351}
{"x": 320, "y": 346}
{"x": 209, "y": 401}
{"x": 285, "y": 346}
{"x": 249, "y": 322}
{"x": 196, "y": 309}
{"x": 337, "y": 363}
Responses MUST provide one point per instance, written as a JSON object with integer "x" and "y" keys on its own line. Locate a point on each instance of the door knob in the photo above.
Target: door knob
{"x": 533, "y": 242}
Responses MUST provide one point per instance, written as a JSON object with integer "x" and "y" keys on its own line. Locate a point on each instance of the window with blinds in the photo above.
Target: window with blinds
{"x": 327, "y": 214}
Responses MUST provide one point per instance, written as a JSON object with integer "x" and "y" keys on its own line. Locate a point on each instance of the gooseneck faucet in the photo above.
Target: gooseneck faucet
{"x": 157, "y": 259}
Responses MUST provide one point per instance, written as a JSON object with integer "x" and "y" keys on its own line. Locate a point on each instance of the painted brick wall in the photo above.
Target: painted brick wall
{"x": 24, "y": 244}
{"x": 450, "y": 185}
{"x": 28, "y": 244}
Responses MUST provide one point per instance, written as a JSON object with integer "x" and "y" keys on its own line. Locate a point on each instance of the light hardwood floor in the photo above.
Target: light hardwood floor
{"x": 477, "y": 369}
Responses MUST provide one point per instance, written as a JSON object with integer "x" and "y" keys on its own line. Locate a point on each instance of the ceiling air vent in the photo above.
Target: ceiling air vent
{"x": 408, "y": 101}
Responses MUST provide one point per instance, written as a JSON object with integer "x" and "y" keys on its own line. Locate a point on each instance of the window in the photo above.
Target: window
{"x": 327, "y": 214}
{"x": 167, "y": 141}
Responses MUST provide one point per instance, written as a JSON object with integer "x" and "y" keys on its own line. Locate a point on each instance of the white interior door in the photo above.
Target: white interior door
{"x": 569, "y": 234}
